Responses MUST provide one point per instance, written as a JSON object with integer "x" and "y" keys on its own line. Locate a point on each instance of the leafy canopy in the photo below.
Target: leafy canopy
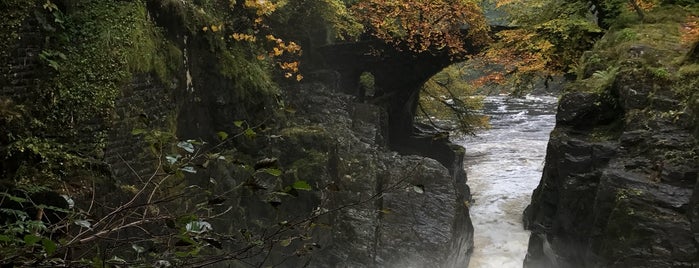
{"x": 424, "y": 25}
{"x": 448, "y": 96}
{"x": 543, "y": 38}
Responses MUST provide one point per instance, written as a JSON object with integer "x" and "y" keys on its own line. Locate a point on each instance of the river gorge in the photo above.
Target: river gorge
{"x": 504, "y": 165}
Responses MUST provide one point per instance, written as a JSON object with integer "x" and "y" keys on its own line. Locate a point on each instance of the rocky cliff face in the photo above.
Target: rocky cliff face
{"x": 369, "y": 205}
{"x": 619, "y": 187}
{"x": 383, "y": 208}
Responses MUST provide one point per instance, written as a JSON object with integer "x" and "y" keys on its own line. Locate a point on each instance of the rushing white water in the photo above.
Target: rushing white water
{"x": 504, "y": 165}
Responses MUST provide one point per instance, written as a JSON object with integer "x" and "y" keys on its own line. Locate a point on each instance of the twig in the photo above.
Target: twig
{"x": 120, "y": 227}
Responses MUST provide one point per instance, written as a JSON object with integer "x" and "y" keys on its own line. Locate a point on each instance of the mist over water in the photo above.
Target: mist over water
{"x": 504, "y": 165}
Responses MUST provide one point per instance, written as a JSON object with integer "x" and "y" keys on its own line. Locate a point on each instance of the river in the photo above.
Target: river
{"x": 504, "y": 165}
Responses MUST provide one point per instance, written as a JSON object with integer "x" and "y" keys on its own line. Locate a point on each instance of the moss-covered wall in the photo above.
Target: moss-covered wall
{"x": 79, "y": 76}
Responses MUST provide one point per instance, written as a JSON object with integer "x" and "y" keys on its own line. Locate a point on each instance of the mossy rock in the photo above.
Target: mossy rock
{"x": 311, "y": 168}
{"x": 311, "y": 136}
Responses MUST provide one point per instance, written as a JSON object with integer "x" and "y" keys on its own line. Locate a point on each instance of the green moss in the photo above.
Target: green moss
{"x": 650, "y": 44}
{"x": 660, "y": 72}
{"x": 109, "y": 42}
{"x": 147, "y": 49}
{"x": 651, "y": 51}
{"x": 367, "y": 81}
{"x": 309, "y": 168}
{"x": 306, "y": 135}
{"x": 608, "y": 132}
{"x": 251, "y": 77}
{"x": 686, "y": 87}
{"x": 689, "y": 70}
{"x": 91, "y": 56}
{"x": 656, "y": 42}
{"x": 14, "y": 12}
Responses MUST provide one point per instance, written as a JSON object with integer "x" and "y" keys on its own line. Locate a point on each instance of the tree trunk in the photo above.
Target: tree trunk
{"x": 638, "y": 9}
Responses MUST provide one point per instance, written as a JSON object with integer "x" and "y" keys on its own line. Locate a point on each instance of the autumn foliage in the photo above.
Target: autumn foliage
{"x": 420, "y": 26}
{"x": 546, "y": 38}
{"x": 424, "y": 25}
{"x": 252, "y": 28}
{"x": 690, "y": 30}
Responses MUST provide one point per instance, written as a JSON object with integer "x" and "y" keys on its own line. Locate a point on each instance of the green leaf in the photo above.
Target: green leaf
{"x": 286, "y": 242}
{"x": 31, "y": 239}
{"x": 138, "y": 131}
{"x": 49, "y": 246}
{"x": 301, "y": 185}
{"x": 13, "y": 198}
{"x": 187, "y": 146}
{"x": 116, "y": 260}
{"x": 222, "y": 135}
{"x": 5, "y": 238}
{"x": 250, "y": 133}
{"x": 273, "y": 171}
{"x": 198, "y": 227}
{"x": 196, "y": 142}
{"x": 238, "y": 123}
{"x": 187, "y": 239}
{"x": 171, "y": 159}
{"x": 138, "y": 249}
{"x": 83, "y": 223}
{"x": 181, "y": 254}
{"x": 69, "y": 200}
{"x": 17, "y": 213}
{"x": 189, "y": 169}
{"x": 419, "y": 189}
{"x": 45, "y": 207}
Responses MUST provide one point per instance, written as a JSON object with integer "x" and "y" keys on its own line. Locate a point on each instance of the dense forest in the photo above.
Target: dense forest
{"x": 295, "y": 133}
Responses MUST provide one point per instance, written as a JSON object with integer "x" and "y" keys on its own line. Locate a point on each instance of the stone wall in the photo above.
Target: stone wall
{"x": 145, "y": 104}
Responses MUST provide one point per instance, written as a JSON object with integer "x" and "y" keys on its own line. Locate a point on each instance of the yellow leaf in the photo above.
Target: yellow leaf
{"x": 205, "y": 28}
{"x": 286, "y": 242}
{"x": 299, "y": 77}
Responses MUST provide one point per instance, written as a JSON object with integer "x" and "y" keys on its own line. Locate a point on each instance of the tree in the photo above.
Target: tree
{"x": 546, "y": 37}
{"x": 447, "y": 96}
{"x": 424, "y": 26}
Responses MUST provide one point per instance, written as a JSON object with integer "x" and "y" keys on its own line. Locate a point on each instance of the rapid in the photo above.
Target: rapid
{"x": 504, "y": 165}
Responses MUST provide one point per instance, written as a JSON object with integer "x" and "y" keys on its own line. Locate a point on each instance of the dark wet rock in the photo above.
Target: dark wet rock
{"x": 584, "y": 110}
{"x": 384, "y": 209}
{"x": 634, "y": 95}
{"x": 619, "y": 188}
{"x": 694, "y": 213}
